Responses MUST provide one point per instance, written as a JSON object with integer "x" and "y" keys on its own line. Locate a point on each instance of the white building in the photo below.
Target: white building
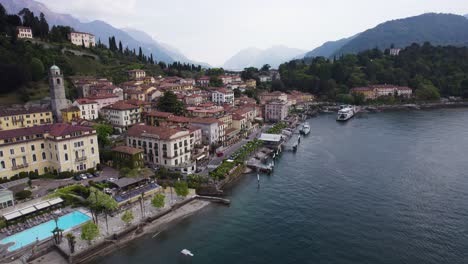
{"x": 24, "y": 33}
{"x": 164, "y": 146}
{"x": 265, "y": 78}
{"x": 122, "y": 115}
{"x": 276, "y": 110}
{"x": 88, "y": 108}
{"x": 82, "y": 38}
{"x": 223, "y": 96}
{"x": 212, "y": 130}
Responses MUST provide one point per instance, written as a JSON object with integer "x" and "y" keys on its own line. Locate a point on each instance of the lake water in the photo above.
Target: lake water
{"x": 381, "y": 188}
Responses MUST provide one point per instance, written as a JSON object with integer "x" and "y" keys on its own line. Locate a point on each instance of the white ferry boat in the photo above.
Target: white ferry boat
{"x": 346, "y": 112}
{"x": 305, "y": 130}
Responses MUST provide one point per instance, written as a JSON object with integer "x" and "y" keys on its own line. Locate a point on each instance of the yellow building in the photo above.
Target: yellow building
{"x": 20, "y": 118}
{"x": 251, "y": 83}
{"x": 70, "y": 113}
{"x": 48, "y": 148}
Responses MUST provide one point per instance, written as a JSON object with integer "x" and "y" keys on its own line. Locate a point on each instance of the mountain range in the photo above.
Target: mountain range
{"x": 254, "y": 57}
{"x": 438, "y": 29}
{"x": 102, "y": 30}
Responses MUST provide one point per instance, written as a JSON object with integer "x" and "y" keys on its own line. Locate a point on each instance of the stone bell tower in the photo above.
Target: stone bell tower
{"x": 57, "y": 92}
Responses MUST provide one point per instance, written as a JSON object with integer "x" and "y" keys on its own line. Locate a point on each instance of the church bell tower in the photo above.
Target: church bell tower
{"x": 57, "y": 92}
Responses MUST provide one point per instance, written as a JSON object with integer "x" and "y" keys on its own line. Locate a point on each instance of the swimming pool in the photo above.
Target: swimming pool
{"x": 44, "y": 230}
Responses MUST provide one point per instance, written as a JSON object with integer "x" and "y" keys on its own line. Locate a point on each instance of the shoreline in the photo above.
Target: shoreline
{"x": 167, "y": 219}
{"x": 405, "y": 107}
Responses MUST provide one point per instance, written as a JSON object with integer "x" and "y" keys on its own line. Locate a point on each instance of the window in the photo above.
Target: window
{"x": 1, "y": 153}
{"x": 58, "y": 80}
{"x": 33, "y": 148}
{"x": 65, "y": 146}
{"x": 34, "y": 158}
{"x": 43, "y": 156}
{"x": 66, "y": 157}
{"x": 92, "y": 141}
{"x": 2, "y": 164}
{"x": 42, "y": 146}
{"x": 12, "y": 151}
{"x": 92, "y": 151}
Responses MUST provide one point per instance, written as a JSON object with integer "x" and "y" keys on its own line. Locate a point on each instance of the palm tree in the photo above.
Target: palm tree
{"x": 71, "y": 242}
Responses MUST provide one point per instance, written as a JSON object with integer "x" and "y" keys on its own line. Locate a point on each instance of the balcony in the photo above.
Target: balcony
{"x": 18, "y": 167}
{"x": 79, "y": 159}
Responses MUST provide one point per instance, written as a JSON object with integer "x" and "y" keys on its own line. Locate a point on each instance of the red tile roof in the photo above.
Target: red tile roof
{"x": 127, "y": 150}
{"x": 56, "y": 130}
{"x": 204, "y": 120}
{"x": 164, "y": 133}
{"x": 160, "y": 114}
{"x": 121, "y": 105}
{"x": 84, "y": 101}
{"x": 23, "y": 111}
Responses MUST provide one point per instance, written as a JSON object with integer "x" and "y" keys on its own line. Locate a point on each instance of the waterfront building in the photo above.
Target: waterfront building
{"x": 88, "y": 108}
{"x": 57, "y": 92}
{"x": 122, "y": 115}
{"x": 206, "y": 110}
{"x": 223, "y": 96}
{"x": 24, "y": 33}
{"x": 276, "y": 110}
{"x": 164, "y": 146}
{"x": 136, "y": 74}
{"x": 375, "y": 91}
{"x": 69, "y": 114}
{"x": 82, "y": 39}
{"x": 24, "y": 117}
{"x": 277, "y": 95}
{"x": 48, "y": 148}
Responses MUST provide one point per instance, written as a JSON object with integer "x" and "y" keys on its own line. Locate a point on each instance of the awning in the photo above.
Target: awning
{"x": 201, "y": 157}
{"x": 55, "y": 201}
{"x": 42, "y": 205}
{"x": 28, "y": 210}
{"x": 12, "y": 215}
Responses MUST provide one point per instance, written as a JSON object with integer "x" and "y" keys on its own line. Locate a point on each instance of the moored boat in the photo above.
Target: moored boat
{"x": 305, "y": 130}
{"x": 346, "y": 112}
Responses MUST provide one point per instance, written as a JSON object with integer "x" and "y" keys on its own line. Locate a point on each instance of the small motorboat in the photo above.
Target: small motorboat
{"x": 187, "y": 252}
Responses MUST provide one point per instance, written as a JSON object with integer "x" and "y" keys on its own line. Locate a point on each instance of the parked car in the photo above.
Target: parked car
{"x": 89, "y": 175}
{"x": 219, "y": 154}
{"x": 77, "y": 178}
{"x": 111, "y": 179}
{"x": 97, "y": 173}
{"x": 83, "y": 176}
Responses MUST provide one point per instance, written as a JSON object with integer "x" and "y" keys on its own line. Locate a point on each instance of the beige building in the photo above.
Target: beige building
{"x": 24, "y": 33}
{"x": 266, "y": 97}
{"x": 48, "y": 148}
{"x": 136, "y": 74}
{"x": 82, "y": 38}
{"x": 20, "y": 118}
{"x": 164, "y": 146}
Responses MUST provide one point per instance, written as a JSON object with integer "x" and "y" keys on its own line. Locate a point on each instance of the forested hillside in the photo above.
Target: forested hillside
{"x": 426, "y": 68}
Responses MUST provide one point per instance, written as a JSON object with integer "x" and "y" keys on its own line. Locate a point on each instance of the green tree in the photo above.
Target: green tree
{"x": 237, "y": 93}
{"x": 158, "y": 200}
{"x": 89, "y": 231}
{"x": 169, "y": 103}
{"x": 100, "y": 202}
{"x": 103, "y": 131}
{"x": 71, "y": 239}
{"x": 37, "y": 69}
{"x": 215, "y": 81}
{"x": 265, "y": 68}
{"x": 181, "y": 188}
{"x": 127, "y": 217}
{"x": 427, "y": 91}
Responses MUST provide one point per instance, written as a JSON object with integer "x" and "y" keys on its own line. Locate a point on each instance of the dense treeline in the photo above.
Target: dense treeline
{"x": 429, "y": 70}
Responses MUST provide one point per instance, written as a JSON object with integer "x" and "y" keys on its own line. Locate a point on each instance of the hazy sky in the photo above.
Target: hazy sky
{"x": 214, "y": 30}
